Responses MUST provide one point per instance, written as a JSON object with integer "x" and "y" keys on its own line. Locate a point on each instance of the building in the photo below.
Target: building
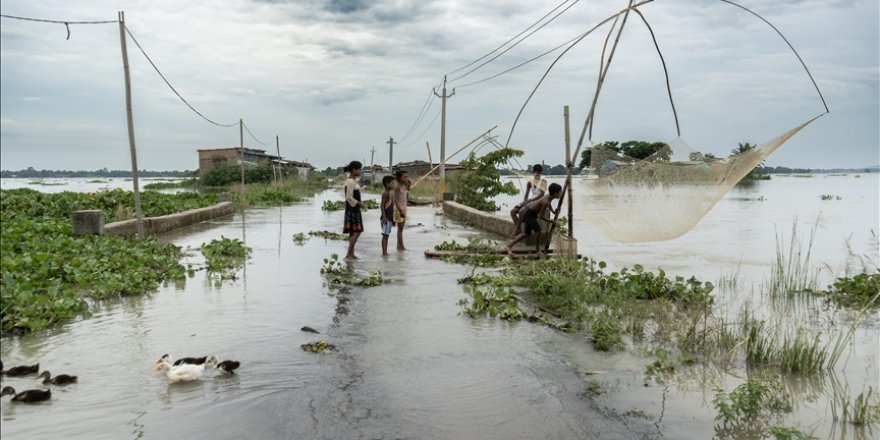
{"x": 419, "y": 168}
{"x": 209, "y": 158}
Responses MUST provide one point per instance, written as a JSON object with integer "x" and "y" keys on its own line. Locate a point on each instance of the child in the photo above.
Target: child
{"x": 401, "y": 196}
{"x": 535, "y": 189}
{"x": 387, "y": 216}
{"x": 353, "y": 222}
{"x": 531, "y": 214}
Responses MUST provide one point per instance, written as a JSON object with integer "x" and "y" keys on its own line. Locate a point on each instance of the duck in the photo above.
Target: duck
{"x": 228, "y": 366}
{"x": 186, "y": 360}
{"x": 61, "y": 379}
{"x": 23, "y": 370}
{"x": 184, "y": 372}
{"x": 27, "y": 396}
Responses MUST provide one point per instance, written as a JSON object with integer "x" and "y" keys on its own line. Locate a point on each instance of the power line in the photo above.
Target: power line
{"x": 517, "y": 43}
{"x": 508, "y": 41}
{"x": 172, "y": 87}
{"x": 424, "y": 132}
{"x": 65, "y": 23}
{"x": 248, "y": 130}
{"x": 519, "y": 65}
{"x": 421, "y": 115}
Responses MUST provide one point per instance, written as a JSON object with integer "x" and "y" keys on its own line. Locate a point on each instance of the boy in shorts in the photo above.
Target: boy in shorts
{"x": 401, "y": 198}
{"x": 530, "y": 215}
{"x": 387, "y": 216}
{"x": 535, "y": 189}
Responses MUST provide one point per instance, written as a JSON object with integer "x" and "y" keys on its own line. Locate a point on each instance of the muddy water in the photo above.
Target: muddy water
{"x": 408, "y": 365}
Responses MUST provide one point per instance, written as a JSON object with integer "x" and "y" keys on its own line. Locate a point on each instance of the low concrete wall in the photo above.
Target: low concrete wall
{"x": 165, "y": 223}
{"x": 499, "y": 224}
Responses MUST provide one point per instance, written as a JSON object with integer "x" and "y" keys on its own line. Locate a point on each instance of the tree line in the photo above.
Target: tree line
{"x": 30, "y": 172}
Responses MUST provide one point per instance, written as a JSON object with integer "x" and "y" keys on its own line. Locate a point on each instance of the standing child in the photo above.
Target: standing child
{"x": 353, "y": 222}
{"x": 387, "y": 216}
{"x": 401, "y": 196}
{"x": 531, "y": 214}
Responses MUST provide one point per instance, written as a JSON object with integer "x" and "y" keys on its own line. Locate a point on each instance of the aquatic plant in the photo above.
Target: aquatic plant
{"x": 785, "y": 433}
{"x": 338, "y": 205}
{"x": 830, "y": 197}
{"x": 605, "y": 330}
{"x": 494, "y": 301}
{"x": 749, "y": 399}
{"x": 300, "y": 238}
{"x": 792, "y": 272}
{"x": 337, "y": 273}
{"x": 224, "y": 256}
{"x": 855, "y": 291}
{"x": 329, "y": 235}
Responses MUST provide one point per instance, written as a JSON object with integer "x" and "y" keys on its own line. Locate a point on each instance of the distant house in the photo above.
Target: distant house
{"x": 419, "y": 168}
{"x": 209, "y": 158}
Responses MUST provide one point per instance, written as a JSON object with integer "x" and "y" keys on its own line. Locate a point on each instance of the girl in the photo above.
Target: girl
{"x": 353, "y": 222}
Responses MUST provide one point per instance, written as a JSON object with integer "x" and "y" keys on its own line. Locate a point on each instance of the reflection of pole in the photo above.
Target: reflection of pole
{"x": 443, "y": 134}
{"x": 130, "y": 117}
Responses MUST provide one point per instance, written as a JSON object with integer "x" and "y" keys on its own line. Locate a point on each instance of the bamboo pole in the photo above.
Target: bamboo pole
{"x": 569, "y": 164}
{"x": 130, "y": 118}
{"x": 453, "y": 155}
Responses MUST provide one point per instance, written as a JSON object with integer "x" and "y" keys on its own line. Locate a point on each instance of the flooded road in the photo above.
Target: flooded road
{"x": 408, "y": 365}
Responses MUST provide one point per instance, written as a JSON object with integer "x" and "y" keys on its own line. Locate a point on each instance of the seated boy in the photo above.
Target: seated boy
{"x": 530, "y": 215}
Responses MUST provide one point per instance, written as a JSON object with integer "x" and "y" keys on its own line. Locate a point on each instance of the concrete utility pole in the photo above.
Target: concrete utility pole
{"x": 278, "y": 152}
{"x": 372, "y": 154}
{"x": 134, "y": 167}
{"x": 241, "y": 145}
{"x": 443, "y": 134}
{"x": 390, "y": 153}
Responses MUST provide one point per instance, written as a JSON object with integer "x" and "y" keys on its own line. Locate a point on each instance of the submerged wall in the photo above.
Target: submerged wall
{"x": 165, "y": 223}
{"x": 499, "y": 224}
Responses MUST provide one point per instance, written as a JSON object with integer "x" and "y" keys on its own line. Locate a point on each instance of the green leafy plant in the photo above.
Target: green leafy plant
{"x": 856, "y": 291}
{"x": 329, "y": 235}
{"x": 300, "y": 238}
{"x": 493, "y": 302}
{"x": 481, "y": 180}
{"x": 225, "y": 256}
{"x": 338, "y": 273}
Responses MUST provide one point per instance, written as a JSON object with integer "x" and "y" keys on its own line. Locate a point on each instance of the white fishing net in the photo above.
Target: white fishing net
{"x": 666, "y": 194}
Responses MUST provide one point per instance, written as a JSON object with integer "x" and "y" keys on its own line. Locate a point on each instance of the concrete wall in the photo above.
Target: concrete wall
{"x": 499, "y": 224}
{"x": 165, "y": 223}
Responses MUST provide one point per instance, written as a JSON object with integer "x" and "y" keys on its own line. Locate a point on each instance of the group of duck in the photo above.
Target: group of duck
{"x": 181, "y": 370}
{"x": 35, "y": 395}
{"x": 192, "y": 368}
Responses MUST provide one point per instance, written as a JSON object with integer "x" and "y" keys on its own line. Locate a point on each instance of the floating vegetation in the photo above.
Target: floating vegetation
{"x": 225, "y": 256}
{"x": 856, "y": 291}
{"x": 337, "y": 273}
{"x": 300, "y": 238}
{"x": 188, "y": 183}
{"x": 44, "y": 183}
{"x": 329, "y": 235}
{"x": 830, "y": 197}
{"x": 474, "y": 245}
{"x": 785, "y": 433}
{"x": 495, "y": 301}
{"x": 338, "y": 205}
{"x": 321, "y": 346}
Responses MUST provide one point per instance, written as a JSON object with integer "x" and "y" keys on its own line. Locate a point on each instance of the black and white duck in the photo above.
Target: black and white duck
{"x": 228, "y": 366}
{"x": 27, "y": 396}
{"x": 184, "y": 372}
{"x": 23, "y": 370}
{"x": 61, "y": 379}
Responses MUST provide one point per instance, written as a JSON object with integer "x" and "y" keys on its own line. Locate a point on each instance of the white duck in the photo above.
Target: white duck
{"x": 184, "y": 372}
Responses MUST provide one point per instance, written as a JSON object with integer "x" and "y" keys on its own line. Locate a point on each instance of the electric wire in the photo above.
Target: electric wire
{"x": 424, "y": 110}
{"x": 172, "y": 87}
{"x": 518, "y": 65}
{"x": 424, "y": 132}
{"x": 248, "y": 130}
{"x": 515, "y": 44}
{"x": 65, "y": 23}
{"x": 508, "y": 41}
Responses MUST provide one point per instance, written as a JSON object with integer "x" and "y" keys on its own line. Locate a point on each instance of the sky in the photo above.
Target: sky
{"x": 334, "y": 79}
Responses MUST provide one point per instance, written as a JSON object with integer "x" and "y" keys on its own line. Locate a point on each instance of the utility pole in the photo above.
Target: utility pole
{"x": 134, "y": 167}
{"x": 390, "y": 153}
{"x": 443, "y": 134}
{"x": 278, "y": 152}
{"x": 372, "y": 154}
{"x": 241, "y": 145}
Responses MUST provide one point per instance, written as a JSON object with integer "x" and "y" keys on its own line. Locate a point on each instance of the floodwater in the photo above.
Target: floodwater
{"x": 408, "y": 365}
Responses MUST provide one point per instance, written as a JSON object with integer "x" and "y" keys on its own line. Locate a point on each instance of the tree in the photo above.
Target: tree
{"x": 481, "y": 180}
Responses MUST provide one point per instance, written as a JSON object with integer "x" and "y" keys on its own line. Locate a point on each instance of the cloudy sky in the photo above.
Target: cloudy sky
{"x": 334, "y": 78}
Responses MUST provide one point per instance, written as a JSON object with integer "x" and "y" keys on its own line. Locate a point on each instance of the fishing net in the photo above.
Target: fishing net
{"x": 666, "y": 194}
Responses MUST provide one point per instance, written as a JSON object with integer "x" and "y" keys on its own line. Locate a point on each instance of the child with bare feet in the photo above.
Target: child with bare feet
{"x": 535, "y": 189}
{"x": 353, "y": 223}
{"x": 531, "y": 214}
{"x": 387, "y": 216}
{"x": 401, "y": 197}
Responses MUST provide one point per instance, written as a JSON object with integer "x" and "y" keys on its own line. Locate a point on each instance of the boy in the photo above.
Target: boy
{"x": 530, "y": 215}
{"x": 401, "y": 197}
{"x": 387, "y": 207}
{"x": 535, "y": 189}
